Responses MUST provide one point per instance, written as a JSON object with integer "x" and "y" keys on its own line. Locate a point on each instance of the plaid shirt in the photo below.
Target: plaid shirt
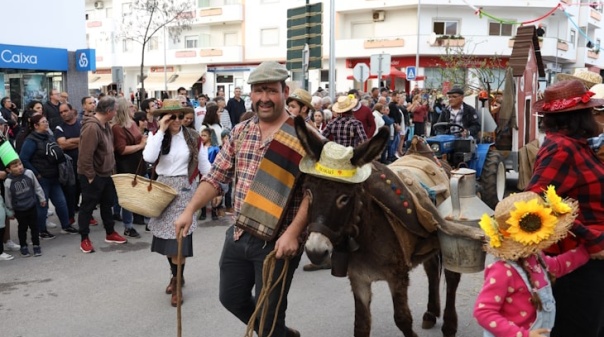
{"x": 572, "y": 167}
{"x": 346, "y": 131}
{"x": 241, "y": 157}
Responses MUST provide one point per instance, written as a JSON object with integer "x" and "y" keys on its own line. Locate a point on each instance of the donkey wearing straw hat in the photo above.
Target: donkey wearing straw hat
{"x": 375, "y": 226}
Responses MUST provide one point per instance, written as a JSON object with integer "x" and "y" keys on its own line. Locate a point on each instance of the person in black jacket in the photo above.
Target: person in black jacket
{"x": 51, "y": 109}
{"x": 461, "y": 113}
{"x": 236, "y": 107}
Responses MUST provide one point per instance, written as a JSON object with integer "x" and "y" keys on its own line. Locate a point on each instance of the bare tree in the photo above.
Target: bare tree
{"x": 147, "y": 17}
{"x": 462, "y": 64}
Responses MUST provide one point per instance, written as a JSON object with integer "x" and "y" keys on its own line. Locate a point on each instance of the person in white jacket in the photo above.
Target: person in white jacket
{"x": 180, "y": 160}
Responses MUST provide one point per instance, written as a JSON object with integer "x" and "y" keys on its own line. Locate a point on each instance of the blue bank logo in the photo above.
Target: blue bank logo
{"x": 35, "y": 58}
{"x": 85, "y": 60}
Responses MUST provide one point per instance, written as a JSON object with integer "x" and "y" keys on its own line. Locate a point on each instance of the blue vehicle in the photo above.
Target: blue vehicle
{"x": 465, "y": 152}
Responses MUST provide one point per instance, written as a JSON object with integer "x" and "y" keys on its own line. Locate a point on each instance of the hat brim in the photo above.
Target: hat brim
{"x": 566, "y": 77}
{"x": 513, "y": 250}
{"x": 594, "y": 102}
{"x": 289, "y": 99}
{"x": 338, "y": 109}
{"x": 185, "y": 110}
{"x": 307, "y": 165}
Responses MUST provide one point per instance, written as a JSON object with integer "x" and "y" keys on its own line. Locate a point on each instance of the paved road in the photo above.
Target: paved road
{"x": 119, "y": 291}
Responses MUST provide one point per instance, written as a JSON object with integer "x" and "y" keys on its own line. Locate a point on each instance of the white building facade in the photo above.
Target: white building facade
{"x": 40, "y": 54}
{"x": 230, "y": 37}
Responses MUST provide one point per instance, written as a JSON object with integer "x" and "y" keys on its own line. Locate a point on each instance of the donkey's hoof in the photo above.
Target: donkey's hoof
{"x": 428, "y": 321}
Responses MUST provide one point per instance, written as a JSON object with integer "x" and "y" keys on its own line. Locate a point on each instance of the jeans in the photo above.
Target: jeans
{"x": 127, "y": 216}
{"x": 53, "y": 191}
{"x": 27, "y": 220}
{"x": 240, "y": 269}
{"x": 100, "y": 191}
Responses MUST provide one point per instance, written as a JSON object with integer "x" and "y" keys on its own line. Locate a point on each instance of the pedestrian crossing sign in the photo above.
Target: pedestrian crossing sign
{"x": 411, "y": 73}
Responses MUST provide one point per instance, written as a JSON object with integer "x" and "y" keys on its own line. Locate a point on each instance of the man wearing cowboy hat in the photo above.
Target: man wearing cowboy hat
{"x": 254, "y": 145}
{"x": 345, "y": 129}
{"x": 299, "y": 103}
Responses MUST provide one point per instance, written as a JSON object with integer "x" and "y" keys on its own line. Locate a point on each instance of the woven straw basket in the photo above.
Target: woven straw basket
{"x": 141, "y": 195}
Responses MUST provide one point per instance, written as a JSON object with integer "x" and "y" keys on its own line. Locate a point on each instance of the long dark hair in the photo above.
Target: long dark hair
{"x": 212, "y": 115}
{"x": 165, "y": 143}
{"x": 578, "y": 123}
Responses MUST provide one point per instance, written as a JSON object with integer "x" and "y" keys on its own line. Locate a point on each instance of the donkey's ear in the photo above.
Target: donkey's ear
{"x": 368, "y": 151}
{"x": 309, "y": 138}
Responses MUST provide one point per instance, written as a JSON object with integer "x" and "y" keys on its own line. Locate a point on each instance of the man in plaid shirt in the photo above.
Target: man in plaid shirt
{"x": 566, "y": 162}
{"x": 243, "y": 254}
{"x": 345, "y": 130}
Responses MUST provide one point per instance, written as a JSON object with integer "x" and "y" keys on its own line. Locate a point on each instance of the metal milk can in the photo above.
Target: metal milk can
{"x": 460, "y": 254}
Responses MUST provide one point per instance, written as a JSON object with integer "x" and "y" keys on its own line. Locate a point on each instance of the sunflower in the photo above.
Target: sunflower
{"x": 530, "y": 222}
{"x": 555, "y": 201}
{"x": 490, "y": 228}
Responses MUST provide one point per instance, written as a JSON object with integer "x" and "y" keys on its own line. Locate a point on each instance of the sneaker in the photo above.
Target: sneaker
{"x": 69, "y": 230}
{"x": 25, "y": 252}
{"x": 6, "y": 257}
{"x": 11, "y": 245}
{"x": 51, "y": 224}
{"x": 131, "y": 232}
{"x": 86, "y": 246}
{"x": 46, "y": 236}
{"x": 115, "y": 238}
{"x": 37, "y": 251}
{"x": 93, "y": 222}
{"x": 50, "y": 213}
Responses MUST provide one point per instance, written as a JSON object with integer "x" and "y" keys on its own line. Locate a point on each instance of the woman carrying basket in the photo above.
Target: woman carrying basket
{"x": 179, "y": 160}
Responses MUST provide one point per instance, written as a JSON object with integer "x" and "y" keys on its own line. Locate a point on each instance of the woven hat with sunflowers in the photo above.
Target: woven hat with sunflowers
{"x": 526, "y": 223}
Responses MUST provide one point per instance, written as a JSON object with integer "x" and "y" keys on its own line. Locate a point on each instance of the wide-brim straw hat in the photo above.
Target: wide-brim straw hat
{"x": 598, "y": 90}
{"x": 344, "y": 103}
{"x": 511, "y": 249}
{"x": 301, "y": 96}
{"x": 334, "y": 164}
{"x": 566, "y": 96}
{"x": 172, "y": 106}
{"x": 588, "y": 78}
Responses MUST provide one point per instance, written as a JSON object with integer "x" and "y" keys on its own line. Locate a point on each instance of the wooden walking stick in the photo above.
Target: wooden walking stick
{"x": 179, "y": 284}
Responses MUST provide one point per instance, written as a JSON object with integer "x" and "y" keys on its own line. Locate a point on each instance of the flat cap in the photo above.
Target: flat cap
{"x": 267, "y": 72}
{"x": 455, "y": 90}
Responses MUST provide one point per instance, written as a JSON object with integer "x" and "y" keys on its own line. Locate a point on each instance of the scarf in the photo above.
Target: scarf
{"x": 264, "y": 205}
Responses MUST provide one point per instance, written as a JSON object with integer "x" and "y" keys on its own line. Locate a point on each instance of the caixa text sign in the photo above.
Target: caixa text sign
{"x": 35, "y": 58}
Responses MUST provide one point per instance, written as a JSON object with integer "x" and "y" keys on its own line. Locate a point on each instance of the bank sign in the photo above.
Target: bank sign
{"x": 35, "y": 58}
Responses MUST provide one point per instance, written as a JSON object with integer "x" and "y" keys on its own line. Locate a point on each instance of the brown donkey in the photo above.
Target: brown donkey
{"x": 369, "y": 241}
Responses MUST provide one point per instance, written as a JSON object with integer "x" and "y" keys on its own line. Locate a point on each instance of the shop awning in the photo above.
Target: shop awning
{"x": 155, "y": 81}
{"x": 394, "y": 73}
{"x": 185, "y": 80}
{"x": 97, "y": 81}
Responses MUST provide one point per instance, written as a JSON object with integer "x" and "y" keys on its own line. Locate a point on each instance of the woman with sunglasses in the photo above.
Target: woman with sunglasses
{"x": 180, "y": 159}
{"x": 128, "y": 144}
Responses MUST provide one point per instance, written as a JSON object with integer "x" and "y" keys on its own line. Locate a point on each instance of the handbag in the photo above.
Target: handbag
{"x": 142, "y": 195}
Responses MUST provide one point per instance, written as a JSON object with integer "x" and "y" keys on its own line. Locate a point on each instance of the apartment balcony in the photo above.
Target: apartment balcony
{"x": 219, "y": 15}
{"x": 589, "y": 17}
{"x": 224, "y": 54}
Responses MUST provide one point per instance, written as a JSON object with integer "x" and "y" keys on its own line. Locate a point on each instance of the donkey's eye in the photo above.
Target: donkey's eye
{"x": 342, "y": 200}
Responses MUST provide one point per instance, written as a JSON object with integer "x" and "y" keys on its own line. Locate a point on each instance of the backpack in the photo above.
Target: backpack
{"x": 66, "y": 174}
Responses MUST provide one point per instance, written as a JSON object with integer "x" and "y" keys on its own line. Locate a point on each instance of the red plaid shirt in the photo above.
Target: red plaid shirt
{"x": 573, "y": 169}
{"x": 346, "y": 131}
{"x": 241, "y": 156}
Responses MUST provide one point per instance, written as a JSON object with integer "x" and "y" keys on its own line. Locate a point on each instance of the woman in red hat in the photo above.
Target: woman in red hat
{"x": 566, "y": 162}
